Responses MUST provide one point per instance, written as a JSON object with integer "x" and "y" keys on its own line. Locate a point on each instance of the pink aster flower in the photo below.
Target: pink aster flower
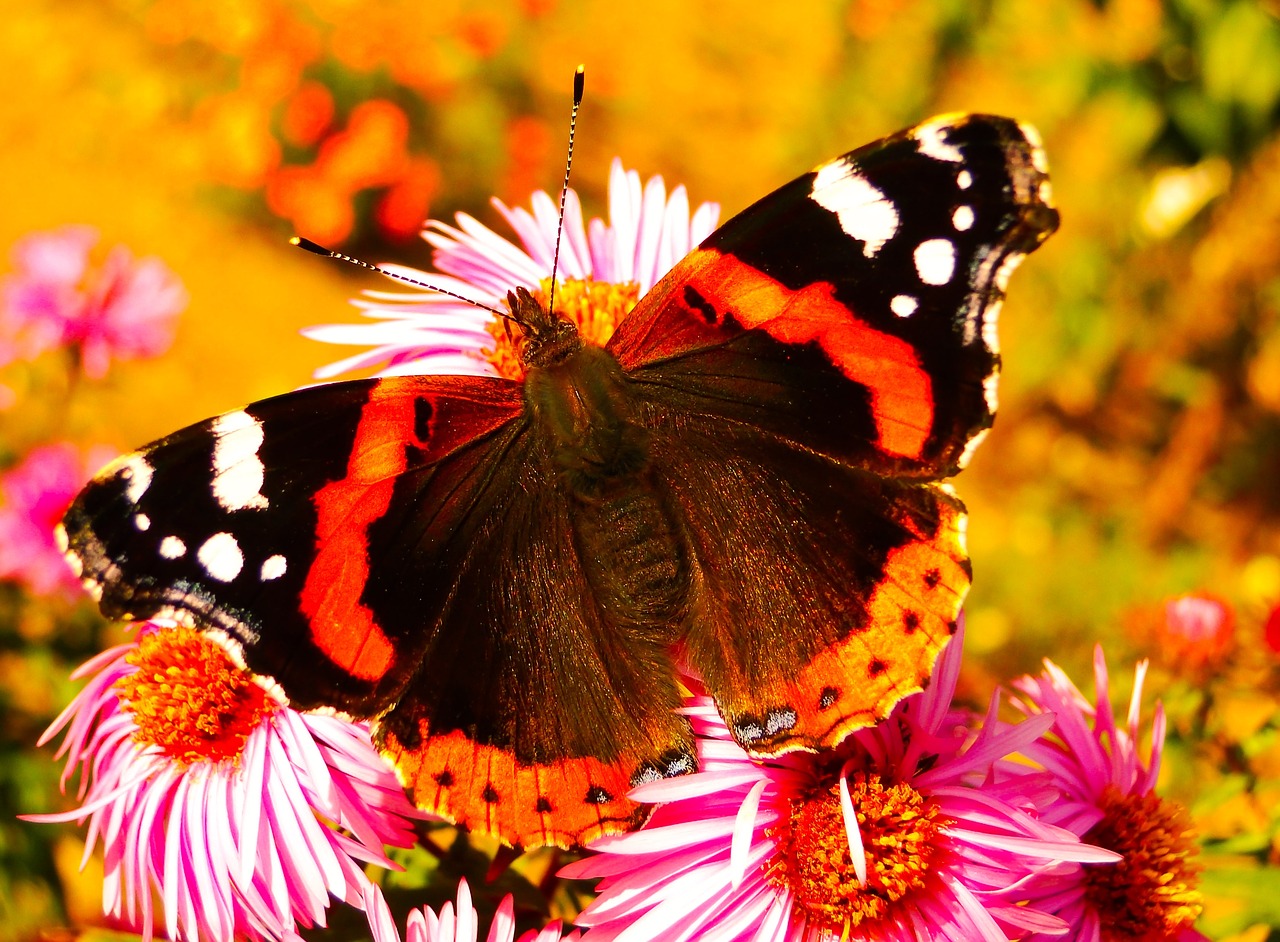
{"x": 604, "y": 269}
{"x": 909, "y": 831}
{"x": 33, "y": 497}
{"x": 122, "y": 309}
{"x": 1197, "y": 630}
{"x": 242, "y": 816}
{"x": 1107, "y": 796}
{"x": 453, "y": 924}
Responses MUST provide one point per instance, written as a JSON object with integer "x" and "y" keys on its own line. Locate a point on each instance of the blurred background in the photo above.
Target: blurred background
{"x": 1129, "y": 493}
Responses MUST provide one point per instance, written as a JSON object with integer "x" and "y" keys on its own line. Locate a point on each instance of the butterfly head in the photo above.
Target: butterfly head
{"x": 546, "y": 340}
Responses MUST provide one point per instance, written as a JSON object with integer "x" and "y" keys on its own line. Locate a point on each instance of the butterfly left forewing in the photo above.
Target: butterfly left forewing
{"x": 259, "y": 525}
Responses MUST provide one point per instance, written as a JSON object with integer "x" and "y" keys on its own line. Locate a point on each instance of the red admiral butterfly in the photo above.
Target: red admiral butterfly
{"x": 504, "y": 575}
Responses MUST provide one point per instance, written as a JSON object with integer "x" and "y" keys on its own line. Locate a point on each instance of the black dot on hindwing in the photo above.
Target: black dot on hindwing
{"x": 490, "y": 794}
{"x": 544, "y": 806}
{"x": 932, "y": 577}
{"x": 910, "y": 622}
{"x": 597, "y": 796}
{"x": 422, "y": 413}
{"x": 700, "y": 305}
{"x": 827, "y": 699}
{"x": 444, "y": 779}
{"x": 953, "y": 627}
{"x": 877, "y": 667}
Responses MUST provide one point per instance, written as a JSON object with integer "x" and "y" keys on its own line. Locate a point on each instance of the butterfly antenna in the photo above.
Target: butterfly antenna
{"x": 319, "y": 249}
{"x": 579, "y": 83}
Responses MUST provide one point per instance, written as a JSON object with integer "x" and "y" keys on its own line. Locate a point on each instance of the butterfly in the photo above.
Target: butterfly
{"x": 746, "y": 482}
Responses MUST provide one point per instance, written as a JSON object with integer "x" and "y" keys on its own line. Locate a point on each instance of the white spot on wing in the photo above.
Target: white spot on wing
{"x": 136, "y": 471}
{"x": 931, "y": 142}
{"x": 903, "y": 305}
{"x": 991, "y": 392}
{"x": 971, "y": 446}
{"x": 63, "y": 543}
{"x": 1038, "y": 159}
{"x": 962, "y": 218}
{"x": 1011, "y": 261}
{"x": 142, "y": 522}
{"x": 990, "y": 320}
{"x": 964, "y": 179}
{"x": 935, "y": 261}
{"x": 864, "y": 212}
{"x": 221, "y": 557}
{"x": 273, "y": 567}
{"x": 172, "y": 548}
{"x": 237, "y": 470}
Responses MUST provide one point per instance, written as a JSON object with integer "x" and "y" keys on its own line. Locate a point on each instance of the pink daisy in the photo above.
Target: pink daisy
{"x": 1197, "y": 630}
{"x": 908, "y": 832}
{"x": 453, "y": 924}
{"x": 1107, "y": 796}
{"x": 243, "y": 816}
{"x": 604, "y": 269}
{"x": 123, "y": 309}
{"x": 33, "y": 497}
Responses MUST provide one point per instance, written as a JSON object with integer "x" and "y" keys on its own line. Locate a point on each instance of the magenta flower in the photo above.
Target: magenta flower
{"x": 1196, "y": 631}
{"x": 33, "y": 497}
{"x": 604, "y": 269}
{"x": 910, "y": 831}
{"x": 123, "y": 309}
{"x": 453, "y": 924}
{"x": 241, "y": 816}
{"x": 1107, "y": 796}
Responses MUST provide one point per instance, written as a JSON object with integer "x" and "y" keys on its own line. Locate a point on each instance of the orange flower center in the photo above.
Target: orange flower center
{"x": 1151, "y": 894}
{"x": 594, "y": 307}
{"x": 899, "y": 829}
{"x": 189, "y": 698}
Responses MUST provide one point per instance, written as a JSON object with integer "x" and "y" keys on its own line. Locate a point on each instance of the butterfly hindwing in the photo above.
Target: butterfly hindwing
{"x": 823, "y": 593}
{"x": 533, "y": 714}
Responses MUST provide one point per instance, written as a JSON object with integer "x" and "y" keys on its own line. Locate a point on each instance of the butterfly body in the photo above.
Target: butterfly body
{"x": 507, "y": 575}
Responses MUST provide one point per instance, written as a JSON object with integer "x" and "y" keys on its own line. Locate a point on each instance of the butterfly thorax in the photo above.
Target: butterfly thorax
{"x": 578, "y": 398}
{"x": 584, "y": 414}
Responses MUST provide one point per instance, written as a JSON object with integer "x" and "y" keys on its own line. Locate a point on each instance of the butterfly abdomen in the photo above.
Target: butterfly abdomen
{"x": 637, "y": 568}
{"x": 582, "y": 408}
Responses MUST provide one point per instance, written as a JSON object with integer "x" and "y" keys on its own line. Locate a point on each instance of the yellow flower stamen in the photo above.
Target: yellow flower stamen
{"x": 899, "y": 828}
{"x": 594, "y": 307}
{"x": 189, "y": 698}
{"x": 1151, "y": 894}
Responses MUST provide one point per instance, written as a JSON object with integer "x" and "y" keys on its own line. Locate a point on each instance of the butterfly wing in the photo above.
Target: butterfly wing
{"x": 830, "y": 354}
{"x": 822, "y": 593}
{"x": 853, "y": 310}
{"x": 398, "y": 545}
{"x": 256, "y": 524}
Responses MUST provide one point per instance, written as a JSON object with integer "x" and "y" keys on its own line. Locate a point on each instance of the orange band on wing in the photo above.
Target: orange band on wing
{"x": 342, "y": 627}
{"x": 901, "y": 391}
{"x": 911, "y": 617}
{"x": 567, "y": 803}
